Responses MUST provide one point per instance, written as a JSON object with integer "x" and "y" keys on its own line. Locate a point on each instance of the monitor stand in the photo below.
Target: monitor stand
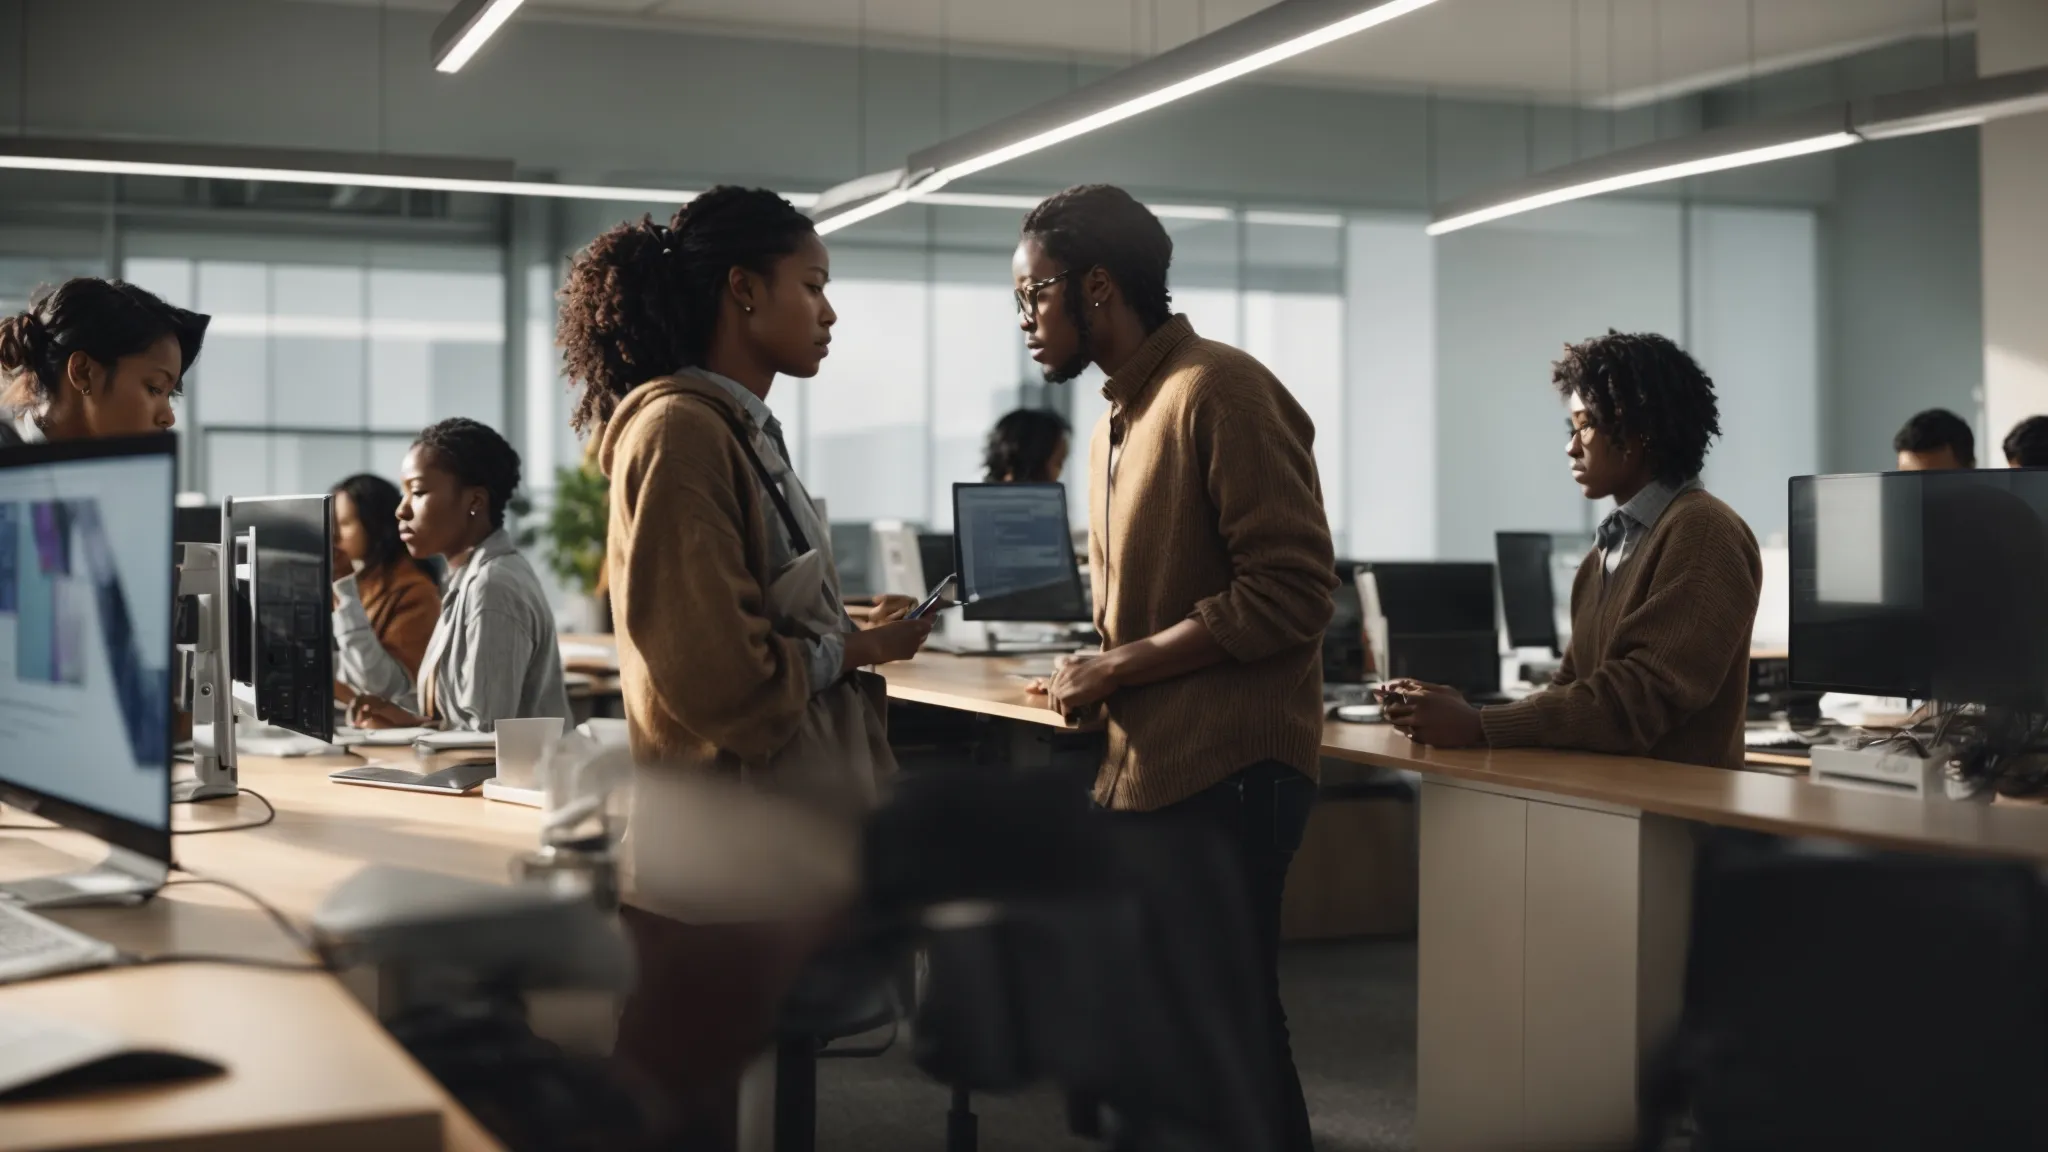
{"x": 203, "y": 577}
{"x": 123, "y": 878}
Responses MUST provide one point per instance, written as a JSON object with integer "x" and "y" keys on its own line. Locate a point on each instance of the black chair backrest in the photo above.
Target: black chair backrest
{"x": 1856, "y": 1000}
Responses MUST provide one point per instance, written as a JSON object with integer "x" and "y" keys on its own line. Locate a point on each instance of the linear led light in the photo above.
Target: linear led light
{"x": 1965, "y": 104}
{"x": 1211, "y": 212}
{"x": 1275, "y": 33}
{"x": 465, "y": 29}
{"x": 1716, "y": 150}
{"x": 293, "y": 166}
{"x": 1278, "y": 32}
{"x": 895, "y": 197}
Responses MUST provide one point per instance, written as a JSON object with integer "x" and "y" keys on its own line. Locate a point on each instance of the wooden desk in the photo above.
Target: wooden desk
{"x": 1554, "y": 904}
{"x": 302, "y": 1052}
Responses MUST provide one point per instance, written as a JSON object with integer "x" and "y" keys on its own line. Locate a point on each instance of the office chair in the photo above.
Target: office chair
{"x": 1855, "y": 1000}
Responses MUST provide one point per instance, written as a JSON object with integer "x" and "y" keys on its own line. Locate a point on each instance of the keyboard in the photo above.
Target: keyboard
{"x": 32, "y": 946}
{"x": 1774, "y": 740}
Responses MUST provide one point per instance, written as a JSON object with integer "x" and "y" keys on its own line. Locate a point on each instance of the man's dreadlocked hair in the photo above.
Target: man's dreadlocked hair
{"x": 1640, "y": 388}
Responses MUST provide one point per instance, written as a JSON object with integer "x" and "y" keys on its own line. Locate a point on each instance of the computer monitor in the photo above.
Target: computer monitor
{"x": 86, "y": 564}
{"x": 896, "y": 560}
{"x": 935, "y": 556}
{"x": 852, "y": 550}
{"x": 1344, "y": 657}
{"x": 1016, "y": 554}
{"x": 283, "y": 638}
{"x": 196, "y": 524}
{"x": 1926, "y": 585}
{"x": 1441, "y": 624}
{"x": 1528, "y": 598}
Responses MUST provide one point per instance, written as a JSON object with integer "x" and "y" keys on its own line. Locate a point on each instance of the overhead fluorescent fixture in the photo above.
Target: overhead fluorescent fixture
{"x": 1715, "y": 150}
{"x": 466, "y": 28}
{"x": 1211, "y": 212}
{"x": 298, "y": 166}
{"x": 1278, "y": 32}
{"x": 1964, "y": 104}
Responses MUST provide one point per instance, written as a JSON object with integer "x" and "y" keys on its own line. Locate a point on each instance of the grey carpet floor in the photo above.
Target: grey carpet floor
{"x": 1351, "y": 1010}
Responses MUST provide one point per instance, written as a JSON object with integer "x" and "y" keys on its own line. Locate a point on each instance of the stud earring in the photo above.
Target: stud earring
{"x": 747, "y": 308}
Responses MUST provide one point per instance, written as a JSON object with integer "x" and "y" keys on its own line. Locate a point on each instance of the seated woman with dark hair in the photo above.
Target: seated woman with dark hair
{"x": 1028, "y": 446}
{"x": 385, "y": 601}
{"x": 93, "y": 358}
{"x": 493, "y": 654}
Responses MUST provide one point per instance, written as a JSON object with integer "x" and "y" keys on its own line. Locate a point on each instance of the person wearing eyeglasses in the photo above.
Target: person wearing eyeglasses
{"x": 1658, "y": 664}
{"x": 1214, "y": 575}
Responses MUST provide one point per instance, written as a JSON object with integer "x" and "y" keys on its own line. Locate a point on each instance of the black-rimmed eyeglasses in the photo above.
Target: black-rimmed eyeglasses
{"x": 1027, "y": 296}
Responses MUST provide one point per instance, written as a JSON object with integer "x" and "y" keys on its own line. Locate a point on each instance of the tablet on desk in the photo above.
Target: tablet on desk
{"x": 458, "y": 780}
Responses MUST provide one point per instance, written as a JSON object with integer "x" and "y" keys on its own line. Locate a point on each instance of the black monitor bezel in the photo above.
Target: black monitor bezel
{"x": 970, "y": 611}
{"x": 231, "y": 527}
{"x": 119, "y": 831}
{"x": 1553, "y": 642}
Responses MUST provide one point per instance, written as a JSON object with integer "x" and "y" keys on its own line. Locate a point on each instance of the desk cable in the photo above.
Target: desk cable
{"x": 270, "y": 814}
{"x": 284, "y": 924}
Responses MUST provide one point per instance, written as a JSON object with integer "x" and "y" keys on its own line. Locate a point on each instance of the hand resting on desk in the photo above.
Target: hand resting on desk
{"x": 1431, "y": 714}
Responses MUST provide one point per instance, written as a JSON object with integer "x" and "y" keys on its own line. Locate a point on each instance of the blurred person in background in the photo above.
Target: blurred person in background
{"x": 1935, "y": 440}
{"x": 1028, "y": 446}
{"x": 386, "y": 600}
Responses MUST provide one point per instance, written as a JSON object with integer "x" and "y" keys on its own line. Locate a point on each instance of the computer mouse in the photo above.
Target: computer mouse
{"x": 122, "y": 1070}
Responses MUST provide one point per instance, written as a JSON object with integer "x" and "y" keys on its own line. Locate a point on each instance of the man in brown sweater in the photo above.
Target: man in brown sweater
{"x": 1213, "y": 569}
{"x": 1658, "y": 664}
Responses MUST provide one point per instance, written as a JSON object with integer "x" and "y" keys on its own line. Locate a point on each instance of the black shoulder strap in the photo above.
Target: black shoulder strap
{"x": 797, "y": 539}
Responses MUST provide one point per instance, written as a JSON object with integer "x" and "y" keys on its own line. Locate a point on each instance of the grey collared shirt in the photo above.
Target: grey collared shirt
{"x": 1633, "y": 520}
{"x": 493, "y": 653}
{"x": 827, "y": 653}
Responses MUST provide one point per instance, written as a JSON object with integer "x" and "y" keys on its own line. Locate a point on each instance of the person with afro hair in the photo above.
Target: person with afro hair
{"x": 1662, "y": 608}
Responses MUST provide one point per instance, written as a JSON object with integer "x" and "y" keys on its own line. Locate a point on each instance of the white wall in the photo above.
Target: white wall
{"x": 2014, "y": 35}
{"x": 1754, "y": 305}
{"x": 1509, "y": 296}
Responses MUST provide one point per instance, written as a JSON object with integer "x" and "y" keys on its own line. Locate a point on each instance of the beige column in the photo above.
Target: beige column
{"x": 2011, "y": 35}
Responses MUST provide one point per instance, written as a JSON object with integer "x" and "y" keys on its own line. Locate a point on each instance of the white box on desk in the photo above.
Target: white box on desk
{"x": 1876, "y": 769}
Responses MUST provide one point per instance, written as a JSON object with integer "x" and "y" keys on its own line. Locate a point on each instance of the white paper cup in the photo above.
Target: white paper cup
{"x": 522, "y": 746}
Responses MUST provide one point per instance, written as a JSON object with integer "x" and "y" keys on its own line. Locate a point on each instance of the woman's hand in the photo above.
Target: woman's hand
{"x": 885, "y": 643}
{"x": 1432, "y": 714}
{"x": 374, "y": 712}
{"x": 888, "y": 610}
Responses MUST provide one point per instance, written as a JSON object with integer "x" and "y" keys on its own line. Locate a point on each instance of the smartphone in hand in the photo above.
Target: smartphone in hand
{"x": 935, "y": 600}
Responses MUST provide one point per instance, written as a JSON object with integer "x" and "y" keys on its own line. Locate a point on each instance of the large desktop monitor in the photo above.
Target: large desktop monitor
{"x": 86, "y": 568}
{"x": 1017, "y": 554}
{"x": 283, "y": 632}
{"x": 1926, "y": 585}
{"x": 196, "y": 524}
{"x": 1528, "y": 597}
{"x": 1441, "y": 624}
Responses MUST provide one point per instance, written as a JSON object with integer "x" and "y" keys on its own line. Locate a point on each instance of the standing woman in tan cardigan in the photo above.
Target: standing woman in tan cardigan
{"x": 673, "y": 336}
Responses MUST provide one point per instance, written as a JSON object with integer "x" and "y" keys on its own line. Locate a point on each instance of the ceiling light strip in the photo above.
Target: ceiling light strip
{"x": 466, "y": 28}
{"x": 1275, "y": 33}
{"x": 292, "y": 166}
{"x": 1716, "y": 150}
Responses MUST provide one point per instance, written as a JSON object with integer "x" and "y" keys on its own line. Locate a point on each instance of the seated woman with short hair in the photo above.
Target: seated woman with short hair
{"x": 386, "y": 602}
{"x": 493, "y": 654}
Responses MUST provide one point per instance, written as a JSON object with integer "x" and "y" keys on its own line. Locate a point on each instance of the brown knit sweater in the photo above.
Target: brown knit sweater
{"x": 1214, "y": 512}
{"x": 1658, "y": 664}
{"x": 705, "y": 676}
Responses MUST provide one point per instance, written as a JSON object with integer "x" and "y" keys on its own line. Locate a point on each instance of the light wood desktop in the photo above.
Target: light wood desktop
{"x": 304, "y": 1055}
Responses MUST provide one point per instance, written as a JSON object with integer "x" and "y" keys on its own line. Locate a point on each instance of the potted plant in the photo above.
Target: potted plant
{"x": 572, "y": 535}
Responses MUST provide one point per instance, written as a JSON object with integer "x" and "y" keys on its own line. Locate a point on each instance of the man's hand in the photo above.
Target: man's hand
{"x": 1082, "y": 681}
{"x": 374, "y": 712}
{"x": 1432, "y": 714}
{"x": 888, "y": 610}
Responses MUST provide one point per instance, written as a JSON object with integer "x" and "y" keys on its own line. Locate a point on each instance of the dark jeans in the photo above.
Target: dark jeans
{"x": 1263, "y": 810}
